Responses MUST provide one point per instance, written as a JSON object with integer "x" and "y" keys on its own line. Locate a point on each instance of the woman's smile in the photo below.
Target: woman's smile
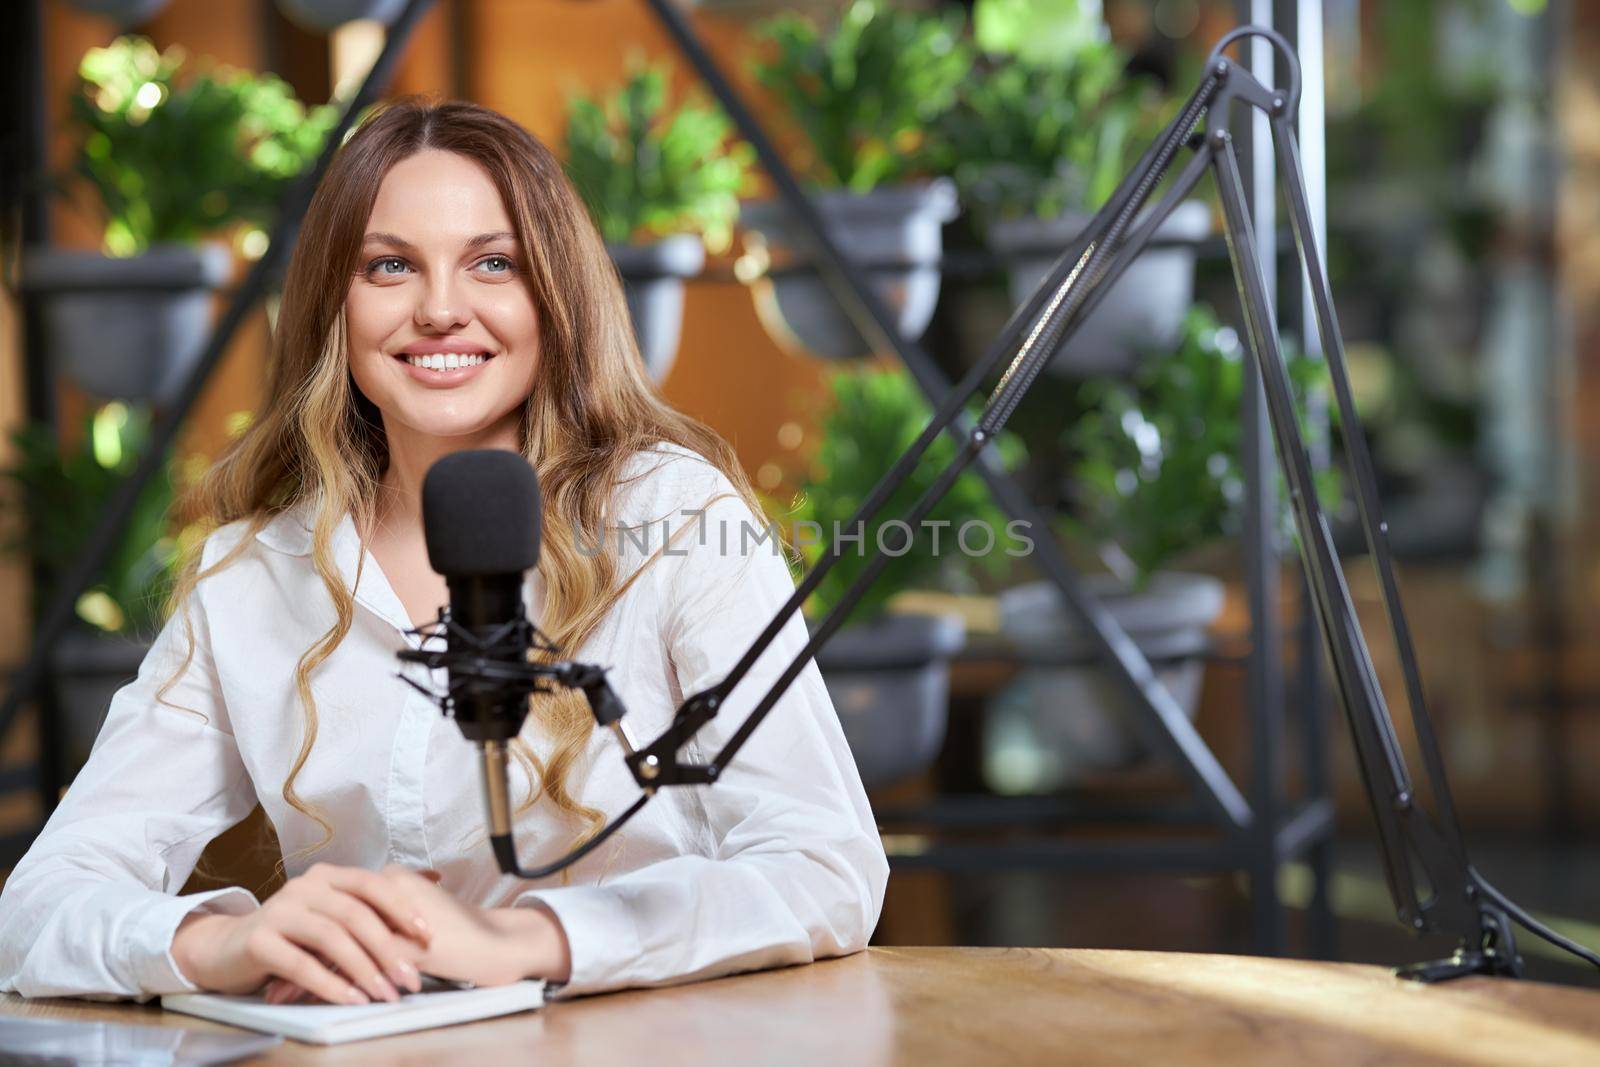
{"x": 442, "y": 370}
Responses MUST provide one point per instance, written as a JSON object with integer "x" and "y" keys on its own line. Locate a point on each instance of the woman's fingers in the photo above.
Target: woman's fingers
{"x": 288, "y": 960}
{"x": 367, "y": 925}
{"x": 385, "y": 898}
{"x": 382, "y": 944}
{"x": 316, "y": 931}
{"x": 281, "y": 991}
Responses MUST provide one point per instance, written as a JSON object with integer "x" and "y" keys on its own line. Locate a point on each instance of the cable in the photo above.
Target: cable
{"x": 505, "y": 847}
{"x": 1534, "y": 926}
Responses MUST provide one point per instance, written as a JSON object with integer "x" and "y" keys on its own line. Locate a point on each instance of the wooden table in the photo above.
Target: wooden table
{"x": 929, "y": 1006}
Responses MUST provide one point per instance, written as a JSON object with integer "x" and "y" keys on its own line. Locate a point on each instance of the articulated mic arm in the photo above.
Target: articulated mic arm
{"x": 1452, "y": 898}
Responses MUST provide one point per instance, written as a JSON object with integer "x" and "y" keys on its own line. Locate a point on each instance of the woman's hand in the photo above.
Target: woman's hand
{"x": 324, "y": 930}
{"x": 484, "y": 946}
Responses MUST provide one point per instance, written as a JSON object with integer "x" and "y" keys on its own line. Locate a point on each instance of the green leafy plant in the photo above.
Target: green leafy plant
{"x": 867, "y": 91}
{"x": 643, "y": 170}
{"x": 872, "y": 418}
{"x": 1051, "y": 121}
{"x": 1157, "y": 468}
{"x": 175, "y": 162}
{"x": 55, "y": 498}
{"x": 1038, "y": 32}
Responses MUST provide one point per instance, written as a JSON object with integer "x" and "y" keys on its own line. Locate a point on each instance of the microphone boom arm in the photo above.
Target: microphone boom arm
{"x": 1452, "y": 897}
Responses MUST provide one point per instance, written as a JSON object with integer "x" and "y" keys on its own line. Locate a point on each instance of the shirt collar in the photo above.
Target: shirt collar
{"x": 290, "y": 532}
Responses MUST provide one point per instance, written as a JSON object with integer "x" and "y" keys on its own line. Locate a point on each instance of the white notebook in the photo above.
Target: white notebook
{"x": 332, "y": 1024}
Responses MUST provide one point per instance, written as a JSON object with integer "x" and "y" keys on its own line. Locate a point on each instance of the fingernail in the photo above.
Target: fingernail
{"x": 355, "y": 996}
{"x": 422, "y": 927}
{"x": 410, "y": 977}
{"x": 386, "y": 988}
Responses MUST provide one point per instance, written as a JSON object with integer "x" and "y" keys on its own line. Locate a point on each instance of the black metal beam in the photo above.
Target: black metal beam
{"x": 1193, "y": 856}
{"x": 1305, "y": 830}
{"x": 977, "y": 811}
{"x": 26, "y": 162}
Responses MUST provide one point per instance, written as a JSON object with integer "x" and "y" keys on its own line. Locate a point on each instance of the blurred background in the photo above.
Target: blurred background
{"x": 1452, "y": 150}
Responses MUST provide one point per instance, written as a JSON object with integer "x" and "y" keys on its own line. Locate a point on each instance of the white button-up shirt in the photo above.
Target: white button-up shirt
{"x": 778, "y": 862}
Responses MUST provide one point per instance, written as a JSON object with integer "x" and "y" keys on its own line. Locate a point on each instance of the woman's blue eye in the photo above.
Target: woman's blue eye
{"x": 375, "y": 266}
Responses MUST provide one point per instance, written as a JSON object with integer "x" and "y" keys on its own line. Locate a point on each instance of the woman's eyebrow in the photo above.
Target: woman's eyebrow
{"x": 404, "y": 245}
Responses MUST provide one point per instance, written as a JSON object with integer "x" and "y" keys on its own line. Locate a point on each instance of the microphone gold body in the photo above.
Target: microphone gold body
{"x": 496, "y": 789}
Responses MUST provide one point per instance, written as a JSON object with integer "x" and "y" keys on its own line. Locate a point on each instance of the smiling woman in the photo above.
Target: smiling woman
{"x": 449, "y": 274}
{"x": 448, "y": 292}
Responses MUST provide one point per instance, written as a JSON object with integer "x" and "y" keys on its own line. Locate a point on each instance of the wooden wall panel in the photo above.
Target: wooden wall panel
{"x": 528, "y": 54}
{"x": 428, "y": 66}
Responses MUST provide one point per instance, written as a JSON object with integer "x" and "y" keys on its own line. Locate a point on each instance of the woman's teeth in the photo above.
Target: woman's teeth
{"x": 447, "y": 360}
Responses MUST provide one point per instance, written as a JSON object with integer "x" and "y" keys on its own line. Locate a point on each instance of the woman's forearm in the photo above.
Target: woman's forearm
{"x": 194, "y": 934}
{"x": 535, "y": 936}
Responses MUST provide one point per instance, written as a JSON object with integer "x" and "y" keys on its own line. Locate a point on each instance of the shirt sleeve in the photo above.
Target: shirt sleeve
{"x": 794, "y": 868}
{"x": 91, "y": 909}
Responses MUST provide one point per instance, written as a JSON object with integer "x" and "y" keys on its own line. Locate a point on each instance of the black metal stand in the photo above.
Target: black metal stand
{"x": 1450, "y": 897}
{"x": 28, "y": 146}
{"x": 1253, "y": 832}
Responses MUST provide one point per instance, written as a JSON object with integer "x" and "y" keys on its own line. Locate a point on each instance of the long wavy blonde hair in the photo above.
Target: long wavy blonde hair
{"x": 317, "y": 439}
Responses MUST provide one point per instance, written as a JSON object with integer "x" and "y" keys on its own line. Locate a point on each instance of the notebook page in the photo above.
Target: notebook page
{"x": 335, "y": 1023}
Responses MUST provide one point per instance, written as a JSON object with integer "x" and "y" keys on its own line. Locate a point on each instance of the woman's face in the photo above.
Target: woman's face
{"x": 440, "y": 284}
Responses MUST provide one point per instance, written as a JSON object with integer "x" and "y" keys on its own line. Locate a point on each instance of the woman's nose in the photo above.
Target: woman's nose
{"x": 441, "y": 305}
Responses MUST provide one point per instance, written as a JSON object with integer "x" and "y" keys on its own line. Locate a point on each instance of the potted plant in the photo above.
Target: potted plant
{"x": 122, "y": 12}
{"x": 1036, "y": 144}
{"x": 1156, "y": 474}
{"x": 888, "y": 670}
{"x": 170, "y": 165}
{"x": 663, "y": 190}
{"x": 325, "y": 16}
{"x": 52, "y": 501}
{"x": 863, "y": 95}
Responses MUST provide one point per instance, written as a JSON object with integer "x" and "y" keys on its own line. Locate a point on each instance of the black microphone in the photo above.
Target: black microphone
{"x": 480, "y": 514}
{"x": 481, "y": 518}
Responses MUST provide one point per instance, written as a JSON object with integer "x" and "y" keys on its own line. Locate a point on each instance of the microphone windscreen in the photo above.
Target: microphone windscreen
{"x": 480, "y": 513}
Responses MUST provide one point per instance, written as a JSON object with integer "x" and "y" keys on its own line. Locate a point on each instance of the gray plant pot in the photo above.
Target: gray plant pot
{"x": 90, "y": 667}
{"x": 324, "y": 16}
{"x": 1060, "y": 720}
{"x": 652, "y": 280}
{"x": 131, "y": 328}
{"x": 1143, "y": 311}
{"x": 895, "y": 234}
{"x": 889, "y": 679}
{"x": 124, "y": 13}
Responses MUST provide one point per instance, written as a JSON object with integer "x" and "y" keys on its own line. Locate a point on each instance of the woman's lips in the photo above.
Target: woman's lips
{"x": 442, "y": 379}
